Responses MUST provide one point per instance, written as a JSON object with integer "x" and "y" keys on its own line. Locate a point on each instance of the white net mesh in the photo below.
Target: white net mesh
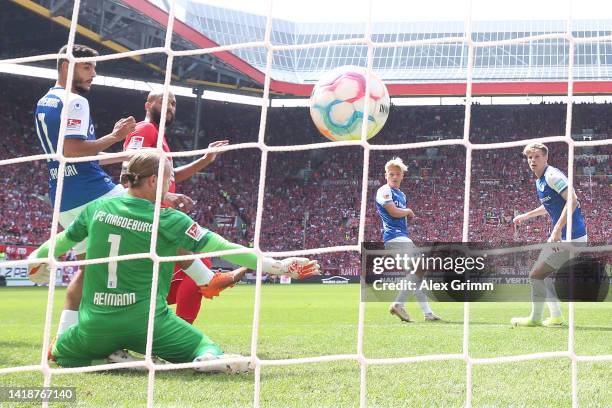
{"x": 359, "y": 355}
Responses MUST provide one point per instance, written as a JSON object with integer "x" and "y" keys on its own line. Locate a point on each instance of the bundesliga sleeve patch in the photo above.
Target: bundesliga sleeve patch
{"x": 195, "y": 231}
{"x": 136, "y": 142}
{"x": 73, "y": 124}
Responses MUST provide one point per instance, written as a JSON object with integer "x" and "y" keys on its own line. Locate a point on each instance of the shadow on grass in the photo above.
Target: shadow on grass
{"x": 4, "y": 345}
{"x": 477, "y": 323}
{"x": 593, "y": 328}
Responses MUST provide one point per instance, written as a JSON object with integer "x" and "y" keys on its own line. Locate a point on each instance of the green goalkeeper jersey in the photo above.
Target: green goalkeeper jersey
{"x": 121, "y": 226}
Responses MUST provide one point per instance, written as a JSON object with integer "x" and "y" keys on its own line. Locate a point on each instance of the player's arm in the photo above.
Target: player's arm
{"x": 555, "y": 236}
{"x": 75, "y": 147}
{"x": 103, "y": 162}
{"x": 76, "y": 143}
{"x": 384, "y": 198}
{"x": 184, "y": 172}
{"x": 297, "y": 268}
{"x": 75, "y": 233}
{"x": 397, "y": 212}
{"x": 126, "y": 156}
{"x": 142, "y": 137}
{"x": 39, "y": 272}
{"x": 519, "y": 219}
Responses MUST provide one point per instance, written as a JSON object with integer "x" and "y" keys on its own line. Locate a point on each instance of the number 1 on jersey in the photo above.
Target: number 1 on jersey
{"x": 114, "y": 240}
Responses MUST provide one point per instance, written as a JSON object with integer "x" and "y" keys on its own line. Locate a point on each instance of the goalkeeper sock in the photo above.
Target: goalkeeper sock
{"x": 554, "y": 306}
{"x": 67, "y": 319}
{"x": 538, "y": 296}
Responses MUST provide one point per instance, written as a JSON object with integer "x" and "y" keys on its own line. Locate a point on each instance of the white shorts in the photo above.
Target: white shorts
{"x": 555, "y": 257}
{"x": 401, "y": 246}
{"x": 66, "y": 217}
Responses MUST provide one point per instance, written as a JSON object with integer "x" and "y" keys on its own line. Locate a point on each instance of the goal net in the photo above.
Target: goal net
{"x": 473, "y": 47}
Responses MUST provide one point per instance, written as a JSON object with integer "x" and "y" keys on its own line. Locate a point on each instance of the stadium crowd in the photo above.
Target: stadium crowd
{"x": 313, "y": 198}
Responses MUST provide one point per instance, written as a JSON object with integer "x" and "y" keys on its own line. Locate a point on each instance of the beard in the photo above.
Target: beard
{"x": 156, "y": 116}
{"x": 80, "y": 88}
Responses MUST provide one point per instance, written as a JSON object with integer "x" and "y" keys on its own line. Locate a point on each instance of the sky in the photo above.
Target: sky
{"x": 428, "y": 10}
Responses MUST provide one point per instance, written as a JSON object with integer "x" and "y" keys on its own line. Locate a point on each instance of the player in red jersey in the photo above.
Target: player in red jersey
{"x": 184, "y": 292}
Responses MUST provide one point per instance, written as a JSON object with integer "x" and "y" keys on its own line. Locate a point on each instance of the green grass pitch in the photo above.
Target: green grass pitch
{"x": 313, "y": 320}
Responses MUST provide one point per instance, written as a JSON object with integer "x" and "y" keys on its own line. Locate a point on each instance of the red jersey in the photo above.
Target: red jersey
{"x": 145, "y": 135}
{"x": 183, "y": 290}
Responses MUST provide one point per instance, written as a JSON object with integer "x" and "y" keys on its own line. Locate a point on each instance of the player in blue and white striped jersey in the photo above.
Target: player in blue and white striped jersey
{"x": 552, "y": 190}
{"x": 393, "y": 211}
{"x": 84, "y": 181}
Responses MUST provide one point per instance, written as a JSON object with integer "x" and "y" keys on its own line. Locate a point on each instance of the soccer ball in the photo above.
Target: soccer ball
{"x": 337, "y": 100}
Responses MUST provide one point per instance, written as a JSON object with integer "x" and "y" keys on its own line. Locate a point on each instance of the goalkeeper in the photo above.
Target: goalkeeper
{"x": 114, "y": 308}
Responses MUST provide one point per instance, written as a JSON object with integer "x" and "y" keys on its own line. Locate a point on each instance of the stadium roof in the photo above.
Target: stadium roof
{"x": 538, "y": 61}
{"x": 537, "y": 67}
{"x": 440, "y": 68}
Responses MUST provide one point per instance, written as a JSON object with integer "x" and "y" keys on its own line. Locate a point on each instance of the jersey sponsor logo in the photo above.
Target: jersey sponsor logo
{"x": 136, "y": 142}
{"x": 73, "y": 124}
{"x": 195, "y": 231}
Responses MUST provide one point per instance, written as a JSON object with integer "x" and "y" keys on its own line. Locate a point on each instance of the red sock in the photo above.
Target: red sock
{"x": 188, "y": 300}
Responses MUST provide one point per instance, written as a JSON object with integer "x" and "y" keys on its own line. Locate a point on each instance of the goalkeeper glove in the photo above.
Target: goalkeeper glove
{"x": 38, "y": 272}
{"x": 294, "y": 267}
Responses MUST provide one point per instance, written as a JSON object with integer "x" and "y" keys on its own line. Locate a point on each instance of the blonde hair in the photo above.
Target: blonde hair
{"x": 140, "y": 166}
{"x": 396, "y": 162}
{"x": 535, "y": 146}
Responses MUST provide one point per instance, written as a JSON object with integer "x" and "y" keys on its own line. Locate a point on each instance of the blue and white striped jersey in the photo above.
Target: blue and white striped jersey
{"x": 84, "y": 181}
{"x": 392, "y": 227}
{"x": 549, "y": 188}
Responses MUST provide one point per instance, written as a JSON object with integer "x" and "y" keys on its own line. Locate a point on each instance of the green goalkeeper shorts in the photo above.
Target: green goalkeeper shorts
{"x": 174, "y": 340}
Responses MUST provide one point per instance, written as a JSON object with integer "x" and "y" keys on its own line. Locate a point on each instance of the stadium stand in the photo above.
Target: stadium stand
{"x": 313, "y": 199}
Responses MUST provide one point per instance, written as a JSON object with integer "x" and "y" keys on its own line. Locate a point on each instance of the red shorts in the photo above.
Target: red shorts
{"x": 178, "y": 277}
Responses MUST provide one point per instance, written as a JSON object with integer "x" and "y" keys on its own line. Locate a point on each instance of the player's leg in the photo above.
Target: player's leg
{"x": 177, "y": 341}
{"x": 188, "y": 300}
{"x": 552, "y": 300}
{"x": 185, "y": 293}
{"x": 174, "y": 340}
{"x": 421, "y": 297}
{"x": 542, "y": 289}
{"x": 177, "y": 277}
{"x": 414, "y": 280}
{"x": 77, "y": 349}
{"x": 74, "y": 292}
{"x": 397, "y": 308}
{"x": 554, "y": 305}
